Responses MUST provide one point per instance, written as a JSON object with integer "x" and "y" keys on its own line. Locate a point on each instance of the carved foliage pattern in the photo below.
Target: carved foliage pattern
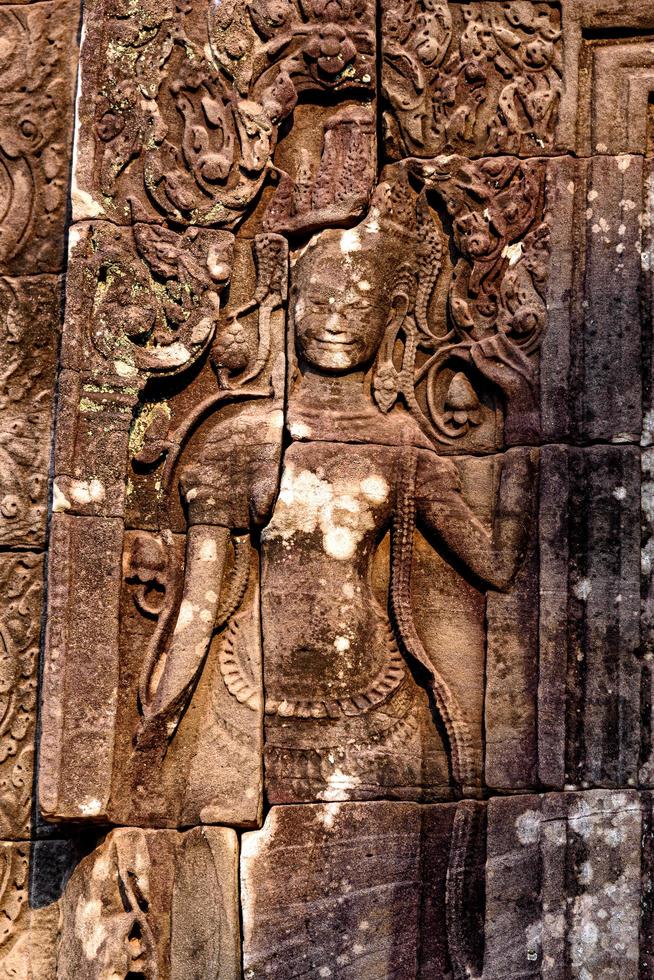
{"x": 471, "y": 77}
{"x": 190, "y": 100}
{"x": 36, "y": 94}
{"x": 20, "y": 580}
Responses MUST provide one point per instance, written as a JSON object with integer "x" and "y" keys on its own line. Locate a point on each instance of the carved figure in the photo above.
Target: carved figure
{"x": 345, "y": 715}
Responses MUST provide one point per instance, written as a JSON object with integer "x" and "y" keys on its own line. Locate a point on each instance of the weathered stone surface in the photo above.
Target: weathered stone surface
{"x": 446, "y": 325}
{"x": 29, "y": 342}
{"x": 79, "y": 692}
{"x": 566, "y": 879}
{"x": 153, "y": 903}
{"x": 376, "y": 890}
{"x": 346, "y": 717}
{"x": 193, "y": 466}
{"x": 21, "y": 582}
{"x": 37, "y": 78}
{"x": 352, "y": 495}
{"x": 192, "y": 98}
{"x": 591, "y": 678}
{"x": 32, "y": 880}
{"x": 142, "y": 903}
{"x": 607, "y": 68}
{"x": 474, "y": 78}
{"x": 596, "y": 344}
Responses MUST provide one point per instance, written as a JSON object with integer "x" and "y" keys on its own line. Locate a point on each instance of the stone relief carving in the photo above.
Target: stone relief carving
{"x": 21, "y": 577}
{"x": 185, "y": 103}
{"x": 36, "y": 95}
{"x": 480, "y": 78}
{"x": 29, "y": 324}
{"x": 353, "y": 429}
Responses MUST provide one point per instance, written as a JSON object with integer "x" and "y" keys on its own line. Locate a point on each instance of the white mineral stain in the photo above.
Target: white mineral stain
{"x": 299, "y": 430}
{"x": 124, "y": 369}
{"x": 592, "y": 196}
{"x": 208, "y": 550}
{"x": 328, "y": 813}
{"x": 338, "y": 786}
{"x": 84, "y": 206}
{"x": 527, "y": 827}
{"x": 620, "y": 493}
{"x": 375, "y": 488}
{"x": 186, "y": 615}
{"x": 342, "y": 644}
{"x": 88, "y": 926}
{"x": 513, "y": 253}
{"x": 91, "y": 808}
{"x": 60, "y": 502}
{"x": 350, "y": 241}
{"x": 86, "y": 491}
{"x": 340, "y": 510}
{"x": 583, "y": 589}
{"x": 624, "y": 162}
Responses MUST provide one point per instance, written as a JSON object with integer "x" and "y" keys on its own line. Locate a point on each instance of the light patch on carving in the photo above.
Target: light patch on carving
{"x": 274, "y": 424}
{"x": 60, "y": 502}
{"x": 350, "y": 241}
{"x": 375, "y": 488}
{"x": 342, "y": 644}
{"x": 364, "y": 285}
{"x": 208, "y": 550}
{"x": 620, "y": 493}
{"x": 592, "y": 196}
{"x": 340, "y": 510}
{"x": 124, "y": 369}
{"x": 186, "y": 615}
{"x": 339, "y": 785}
{"x": 527, "y": 827}
{"x": 91, "y": 808}
{"x": 623, "y": 162}
{"x": 173, "y": 355}
{"x": 87, "y": 491}
{"x": 88, "y": 926}
{"x": 328, "y": 814}
{"x": 299, "y": 430}
{"x": 583, "y": 589}
{"x": 513, "y": 253}
{"x": 84, "y": 206}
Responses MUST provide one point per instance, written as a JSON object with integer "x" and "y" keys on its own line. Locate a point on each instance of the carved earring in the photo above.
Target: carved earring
{"x": 387, "y": 379}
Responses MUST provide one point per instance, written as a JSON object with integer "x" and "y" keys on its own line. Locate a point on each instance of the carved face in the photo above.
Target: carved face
{"x": 342, "y": 303}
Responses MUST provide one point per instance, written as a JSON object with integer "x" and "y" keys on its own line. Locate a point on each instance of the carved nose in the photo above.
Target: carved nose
{"x": 333, "y": 324}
